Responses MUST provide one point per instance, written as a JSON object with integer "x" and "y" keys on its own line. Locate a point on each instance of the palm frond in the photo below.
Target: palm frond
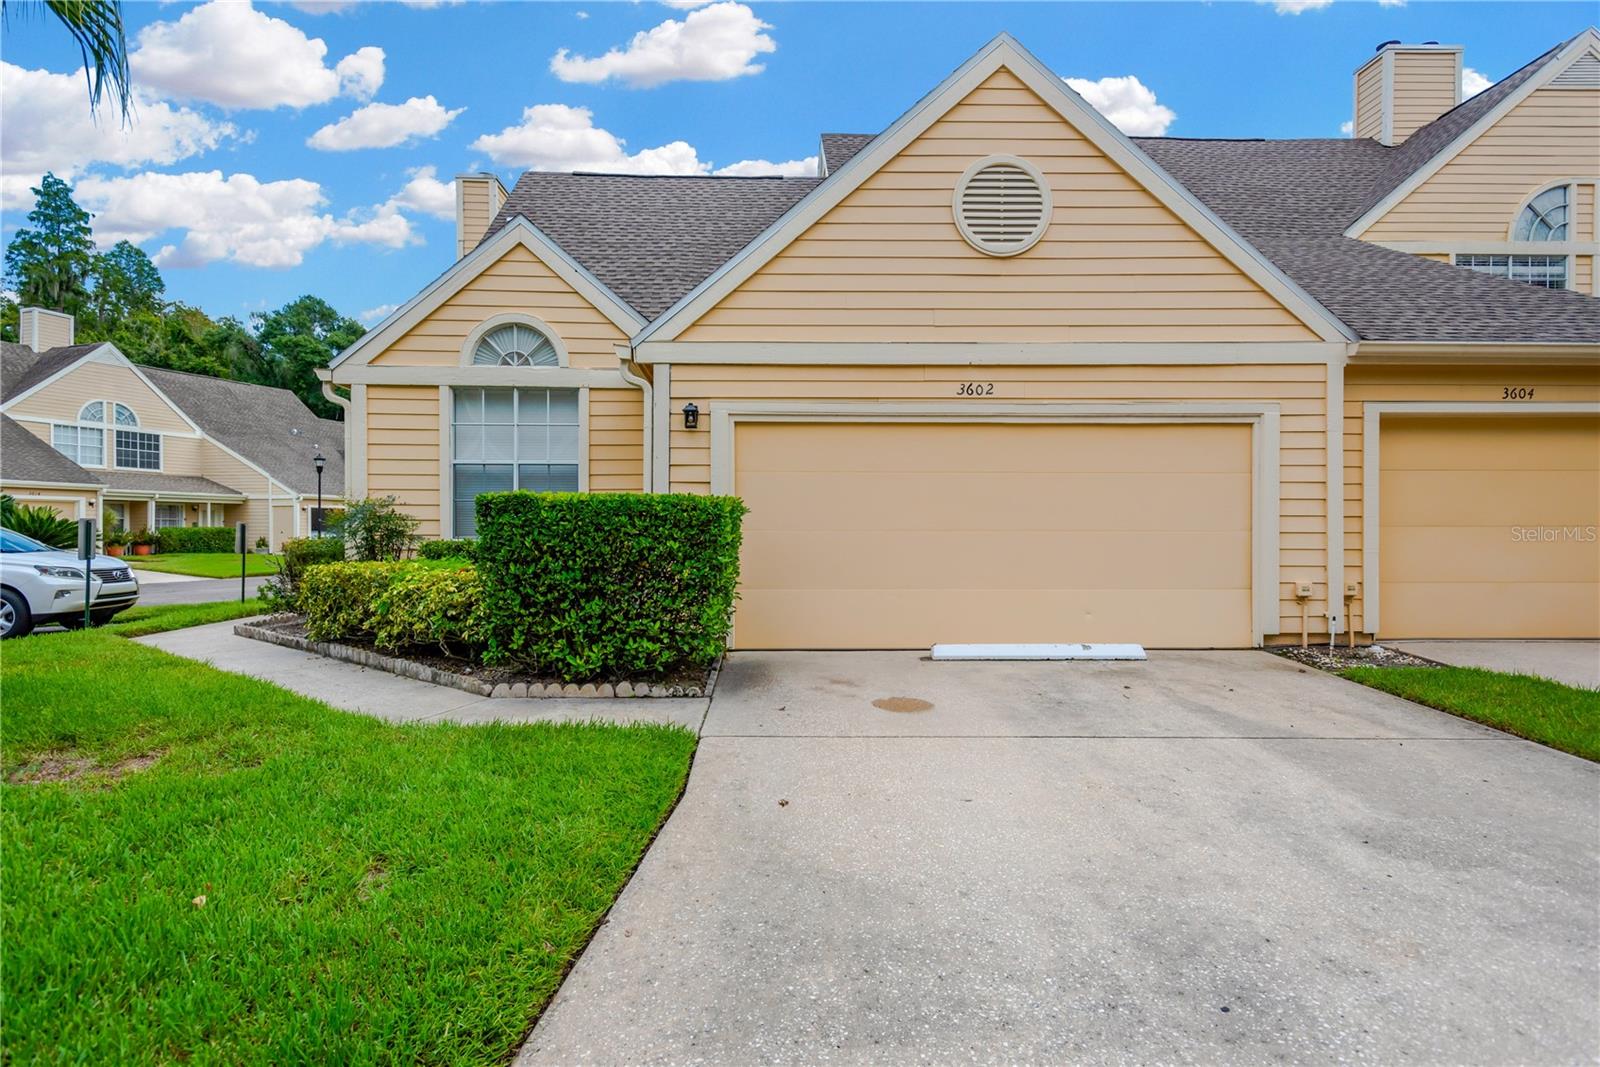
{"x": 97, "y": 27}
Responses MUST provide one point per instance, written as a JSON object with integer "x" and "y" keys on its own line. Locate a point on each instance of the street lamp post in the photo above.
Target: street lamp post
{"x": 320, "y": 461}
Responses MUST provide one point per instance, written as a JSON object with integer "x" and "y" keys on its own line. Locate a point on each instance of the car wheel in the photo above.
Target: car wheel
{"x": 15, "y": 618}
{"x": 100, "y": 618}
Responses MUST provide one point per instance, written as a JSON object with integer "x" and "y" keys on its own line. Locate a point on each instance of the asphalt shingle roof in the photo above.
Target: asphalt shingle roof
{"x": 152, "y": 482}
{"x": 26, "y": 458}
{"x": 839, "y": 148}
{"x": 270, "y": 427}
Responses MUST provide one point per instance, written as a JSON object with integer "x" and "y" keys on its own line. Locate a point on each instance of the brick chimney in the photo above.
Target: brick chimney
{"x": 1404, "y": 87}
{"x": 41, "y": 329}
{"x": 478, "y": 200}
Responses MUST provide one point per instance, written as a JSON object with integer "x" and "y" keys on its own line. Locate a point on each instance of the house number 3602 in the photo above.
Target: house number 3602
{"x": 1517, "y": 392}
{"x": 975, "y": 389}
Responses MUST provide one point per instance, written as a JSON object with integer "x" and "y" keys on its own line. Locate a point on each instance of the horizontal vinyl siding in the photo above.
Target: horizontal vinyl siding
{"x": 1299, "y": 389}
{"x": 888, "y": 264}
{"x": 64, "y": 398}
{"x": 517, "y": 282}
{"x": 403, "y": 449}
{"x": 1424, "y": 89}
{"x": 1369, "y": 101}
{"x": 65, "y": 502}
{"x": 1430, "y": 383}
{"x": 1553, "y": 134}
{"x": 616, "y": 440}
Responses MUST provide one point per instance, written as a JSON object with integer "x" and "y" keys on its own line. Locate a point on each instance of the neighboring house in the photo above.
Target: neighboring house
{"x": 91, "y": 434}
{"x": 1005, "y": 374}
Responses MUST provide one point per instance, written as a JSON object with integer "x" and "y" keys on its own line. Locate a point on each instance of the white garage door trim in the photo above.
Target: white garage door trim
{"x": 1262, "y": 419}
{"x": 1372, "y": 413}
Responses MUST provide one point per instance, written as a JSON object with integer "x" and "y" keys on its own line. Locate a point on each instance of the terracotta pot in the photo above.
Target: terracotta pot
{"x": 142, "y": 550}
{"x": 114, "y": 550}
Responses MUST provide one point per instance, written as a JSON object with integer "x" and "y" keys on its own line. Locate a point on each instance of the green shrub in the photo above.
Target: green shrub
{"x": 282, "y": 592}
{"x": 397, "y": 605}
{"x": 590, "y": 586}
{"x": 449, "y": 548}
{"x": 194, "y": 539}
{"x": 40, "y": 523}
{"x": 376, "y": 529}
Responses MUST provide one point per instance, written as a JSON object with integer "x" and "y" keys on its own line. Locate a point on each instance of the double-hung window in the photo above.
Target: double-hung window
{"x": 168, "y": 515}
{"x": 138, "y": 450}
{"x": 507, "y": 439}
{"x": 84, "y": 445}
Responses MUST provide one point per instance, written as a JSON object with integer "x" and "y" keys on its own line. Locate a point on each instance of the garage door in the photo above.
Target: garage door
{"x": 1486, "y": 527}
{"x": 900, "y": 535}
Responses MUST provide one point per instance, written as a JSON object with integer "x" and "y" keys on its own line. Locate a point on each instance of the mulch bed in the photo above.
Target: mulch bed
{"x": 1343, "y": 657}
{"x": 440, "y": 668}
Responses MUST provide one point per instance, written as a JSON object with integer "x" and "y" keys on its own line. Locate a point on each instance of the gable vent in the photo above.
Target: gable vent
{"x": 1582, "y": 73}
{"x": 1002, "y": 205}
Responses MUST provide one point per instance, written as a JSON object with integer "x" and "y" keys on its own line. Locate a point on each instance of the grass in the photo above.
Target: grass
{"x": 1550, "y": 713}
{"x": 372, "y": 892}
{"x": 158, "y": 618}
{"x": 206, "y": 564}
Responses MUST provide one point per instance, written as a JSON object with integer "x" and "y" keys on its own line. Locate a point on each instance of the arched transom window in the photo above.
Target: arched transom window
{"x": 1545, "y": 217}
{"x": 515, "y": 345}
{"x": 125, "y": 416}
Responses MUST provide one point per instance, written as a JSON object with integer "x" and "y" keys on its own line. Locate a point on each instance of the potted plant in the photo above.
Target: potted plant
{"x": 116, "y": 542}
{"x": 143, "y": 542}
{"x": 261, "y": 545}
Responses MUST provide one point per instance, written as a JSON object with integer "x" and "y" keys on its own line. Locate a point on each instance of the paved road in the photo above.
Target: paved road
{"x": 1209, "y": 857}
{"x": 193, "y": 591}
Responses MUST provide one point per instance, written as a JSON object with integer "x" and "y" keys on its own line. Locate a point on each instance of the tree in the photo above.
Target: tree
{"x": 124, "y": 282}
{"x": 47, "y": 262}
{"x": 96, "y": 25}
{"x": 300, "y": 337}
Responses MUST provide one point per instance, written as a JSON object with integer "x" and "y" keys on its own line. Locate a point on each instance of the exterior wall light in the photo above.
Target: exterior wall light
{"x": 691, "y": 416}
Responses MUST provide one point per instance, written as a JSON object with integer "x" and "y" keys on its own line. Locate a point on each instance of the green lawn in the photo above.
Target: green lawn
{"x": 206, "y": 564}
{"x": 372, "y": 892}
{"x": 1550, "y": 713}
{"x": 158, "y": 618}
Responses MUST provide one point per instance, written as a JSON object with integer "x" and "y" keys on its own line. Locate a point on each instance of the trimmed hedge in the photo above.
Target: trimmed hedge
{"x": 397, "y": 605}
{"x": 296, "y": 556}
{"x": 449, "y": 548}
{"x": 194, "y": 539}
{"x": 587, "y": 586}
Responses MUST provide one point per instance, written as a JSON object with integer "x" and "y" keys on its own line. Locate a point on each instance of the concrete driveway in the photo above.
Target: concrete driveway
{"x": 1206, "y": 857}
{"x": 1573, "y": 662}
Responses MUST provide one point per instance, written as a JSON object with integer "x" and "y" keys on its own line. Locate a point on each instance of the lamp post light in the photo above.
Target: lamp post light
{"x": 320, "y": 461}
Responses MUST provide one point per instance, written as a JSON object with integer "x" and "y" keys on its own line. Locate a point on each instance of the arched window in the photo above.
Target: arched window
{"x": 125, "y": 416}
{"x": 515, "y": 344}
{"x": 93, "y": 411}
{"x": 1545, "y": 217}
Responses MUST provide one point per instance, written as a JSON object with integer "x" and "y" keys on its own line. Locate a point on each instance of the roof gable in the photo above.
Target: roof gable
{"x": 1003, "y": 53}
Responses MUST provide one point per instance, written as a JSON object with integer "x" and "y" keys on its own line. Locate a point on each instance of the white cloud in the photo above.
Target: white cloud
{"x": 1128, "y": 103}
{"x": 1391, "y": 3}
{"x": 377, "y": 314}
{"x": 237, "y": 218}
{"x": 384, "y": 125}
{"x": 234, "y": 56}
{"x": 1348, "y": 128}
{"x": 713, "y": 43}
{"x": 686, "y": 5}
{"x": 580, "y": 14}
{"x": 322, "y": 7}
{"x": 1297, "y": 7}
{"x": 562, "y": 138}
{"x": 47, "y": 128}
{"x": 1473, "y": 83}
{"x": 761, "y": 168}
{"x": 427, "y": 194}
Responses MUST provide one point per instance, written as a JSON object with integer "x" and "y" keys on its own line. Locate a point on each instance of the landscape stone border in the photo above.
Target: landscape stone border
{"x": 422, "y": 672}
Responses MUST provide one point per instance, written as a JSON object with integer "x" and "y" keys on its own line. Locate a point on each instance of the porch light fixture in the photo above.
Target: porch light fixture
{"x": 691, "y": 416}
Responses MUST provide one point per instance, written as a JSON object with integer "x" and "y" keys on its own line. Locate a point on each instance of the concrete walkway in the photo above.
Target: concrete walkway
{"x": 1573, "y": 662}
{"x": 1203, "y": 858}
{"x": 389, "y": 696}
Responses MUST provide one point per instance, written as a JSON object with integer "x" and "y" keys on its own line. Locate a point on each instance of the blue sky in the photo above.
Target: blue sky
{"x": 216, "y": 178}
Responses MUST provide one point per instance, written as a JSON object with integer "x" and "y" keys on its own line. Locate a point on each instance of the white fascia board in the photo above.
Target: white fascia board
{"x": 1576, "y": 47}
{"x": 454, "y": 374}
{"x": 518, "y": 231}
{"x": 1003, "y": 51}
{"x": 961, "y": 353}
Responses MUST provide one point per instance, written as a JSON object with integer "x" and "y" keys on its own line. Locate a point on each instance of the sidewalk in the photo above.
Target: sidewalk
{"x": 397, "y": 699}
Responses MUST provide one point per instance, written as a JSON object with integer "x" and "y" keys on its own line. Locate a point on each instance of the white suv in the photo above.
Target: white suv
{"x": 40, "y": 584}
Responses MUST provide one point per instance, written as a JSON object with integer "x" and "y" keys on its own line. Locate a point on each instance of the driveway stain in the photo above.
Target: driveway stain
{"x": 901, "y": 704}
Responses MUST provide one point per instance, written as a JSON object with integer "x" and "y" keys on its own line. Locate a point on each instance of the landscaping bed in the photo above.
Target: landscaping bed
{"x": 438, "y": 667}
{"x": 1342, "y": 657}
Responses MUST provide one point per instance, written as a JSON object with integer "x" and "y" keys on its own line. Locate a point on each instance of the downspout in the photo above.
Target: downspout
{"x": 631, "y": 373}
{"x": 343, "y": 404}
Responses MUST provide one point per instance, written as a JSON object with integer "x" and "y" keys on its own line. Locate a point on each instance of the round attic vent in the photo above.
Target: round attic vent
{"x": 1002, "y": 205}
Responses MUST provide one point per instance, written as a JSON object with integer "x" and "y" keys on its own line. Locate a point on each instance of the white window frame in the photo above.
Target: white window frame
{"x": 1566, "y": 267}
{"x": 81, "y": 428}
{"x": 447, "y": 439}
{"x": 161, "y": 450}
{"x": 470, "y": 346}
{"x": 183, "y": 514}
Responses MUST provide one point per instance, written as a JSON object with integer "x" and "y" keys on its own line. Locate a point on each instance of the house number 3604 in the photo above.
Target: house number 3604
{"x": 975, "y": 389}
{"x": 1517, "y": 392}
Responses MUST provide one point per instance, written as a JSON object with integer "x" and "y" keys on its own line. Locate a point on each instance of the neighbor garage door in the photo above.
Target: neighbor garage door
{"x": 900, "y": 535}
{"x": 1485, "y": 527}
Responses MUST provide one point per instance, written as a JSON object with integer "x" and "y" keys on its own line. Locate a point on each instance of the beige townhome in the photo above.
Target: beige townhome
{"x": 87, "y": 432}
{"x": 1002, "y": 373}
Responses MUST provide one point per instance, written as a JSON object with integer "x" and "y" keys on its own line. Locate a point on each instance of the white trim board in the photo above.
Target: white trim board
{"x": 954, "y": 353}
{"x": 1263, "y": 419}
{"x": 1002, "y": 52}
{"x": 1372, "y": 413}
{"x": 1589, "y": 39}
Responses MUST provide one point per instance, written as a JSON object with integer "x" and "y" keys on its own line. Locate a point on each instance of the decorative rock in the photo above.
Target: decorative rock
{"x": 587, "y": 689}
{"x": 624, "y": 689}
{"x": 501, "y": 690}
{"x": 519, "y": 689}
{"x": 605, "y": 690}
